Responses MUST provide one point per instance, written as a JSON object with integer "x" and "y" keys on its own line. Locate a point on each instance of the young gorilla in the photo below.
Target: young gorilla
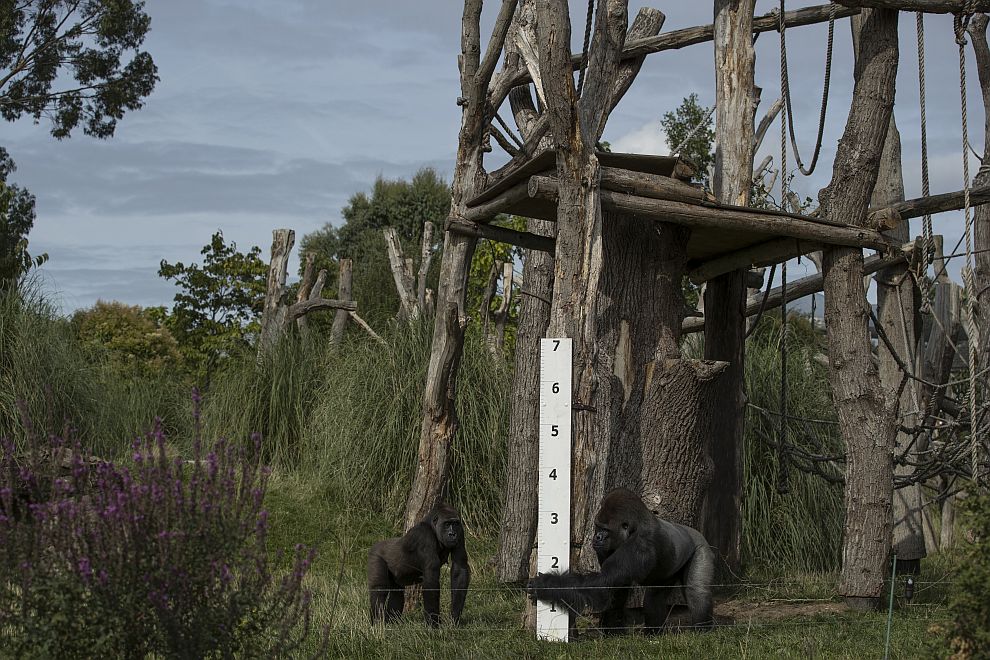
{"x": 417, "y": 557}
{"x": 635, "y": 547}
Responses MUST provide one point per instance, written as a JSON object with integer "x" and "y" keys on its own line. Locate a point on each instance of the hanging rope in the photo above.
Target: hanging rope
{"x": 928, "y": 239}
{"x": 959, "y": 24}
{"x": 785, "y": 89}
{"x": 587, "y": 44}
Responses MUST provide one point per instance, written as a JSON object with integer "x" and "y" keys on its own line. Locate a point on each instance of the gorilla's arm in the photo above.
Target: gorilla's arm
{"x": 431, "y": 592}
{"x": 460, "y": 577}
{"x": 632, "y": 562}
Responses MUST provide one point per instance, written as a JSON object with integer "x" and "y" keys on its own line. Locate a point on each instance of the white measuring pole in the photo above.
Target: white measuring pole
{"x": 554, "y": 523}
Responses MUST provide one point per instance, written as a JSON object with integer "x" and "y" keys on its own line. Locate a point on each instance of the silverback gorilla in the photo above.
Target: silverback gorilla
{"x": 417, "y": 557}
{"x": 635, "y": 547}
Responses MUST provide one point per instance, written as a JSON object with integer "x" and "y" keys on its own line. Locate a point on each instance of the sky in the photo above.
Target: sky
{"x": 272, "y": 114}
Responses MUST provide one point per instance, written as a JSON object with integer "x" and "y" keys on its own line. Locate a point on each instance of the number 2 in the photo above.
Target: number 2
{"x": 555, "y": 563}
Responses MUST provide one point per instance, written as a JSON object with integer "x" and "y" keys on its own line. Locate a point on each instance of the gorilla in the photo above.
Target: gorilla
{"x": 635, "y": 547}
{"x": 417, "y": 557}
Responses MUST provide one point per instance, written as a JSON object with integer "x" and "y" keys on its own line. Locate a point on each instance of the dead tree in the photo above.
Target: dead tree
{"x": 439, "y": 414}
{"x": 725, "y": 296}
{"x": 617, "y": 294}
{"x": 517, "y": 533}
{"x": 865, "y": 416}
{"x": 897, "y": 311}
{"x": 410, "y": 286}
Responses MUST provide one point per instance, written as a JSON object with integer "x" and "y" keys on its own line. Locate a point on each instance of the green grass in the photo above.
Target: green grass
{"x": 492, "y": 620}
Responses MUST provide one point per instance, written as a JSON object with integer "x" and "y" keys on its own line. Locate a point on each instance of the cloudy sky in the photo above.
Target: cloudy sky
{"x": 273, "y": 113}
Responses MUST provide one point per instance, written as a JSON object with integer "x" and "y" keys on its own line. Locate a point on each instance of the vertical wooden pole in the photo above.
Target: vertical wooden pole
{"x": 343, "y": 293}
{"x": 725, "y": 296}
{"x": 274, "y": 311}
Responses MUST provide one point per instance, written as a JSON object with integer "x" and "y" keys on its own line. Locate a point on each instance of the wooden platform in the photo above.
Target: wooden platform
{"x": 656, "y": 188}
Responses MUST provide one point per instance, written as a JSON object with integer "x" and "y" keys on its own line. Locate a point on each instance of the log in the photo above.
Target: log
{"x": 317, "y": 304}
{"x": 501, "y": 234}
{"x": 807, "y": 286}
{"x": 488, "y": 210}
{"x": 927, "y": 6}
{"x": 344, "y": 279}
{"x": 951, "y": 201}
{"x": 364, "y": 326}
{"x": 725, "y": 217}
{"x": 653, "y": 186}
{"x": 305, "y": 287}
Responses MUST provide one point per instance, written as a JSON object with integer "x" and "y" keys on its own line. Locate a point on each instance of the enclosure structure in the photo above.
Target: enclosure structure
{"x": 624, "y": 230}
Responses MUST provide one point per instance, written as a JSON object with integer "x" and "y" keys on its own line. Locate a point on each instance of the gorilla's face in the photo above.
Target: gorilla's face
{"x": 609, "y": 536}
{"x": 449, "y": 531}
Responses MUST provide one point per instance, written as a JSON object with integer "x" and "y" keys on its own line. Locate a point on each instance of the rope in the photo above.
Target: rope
{"x": 785, "y": 89}
{"x": 587, "y": 44}
{"x": 959, "y": 24}
{"x": 763, "y": 303}
{"x": 928, "y": 240}
{"x": 694, "y": 131}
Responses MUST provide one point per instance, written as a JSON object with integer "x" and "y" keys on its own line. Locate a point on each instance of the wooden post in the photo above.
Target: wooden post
{"x": 274, "y": 311}
{"x": 425, "y": 259}
{"x": 866, "y": 422}
{"x": 725, "y": 296}
{"x": 897, "y": 313}
{"x": 305, "y": 288}
{"x": 344, "y": 293}
{"x": 502, "y": 313}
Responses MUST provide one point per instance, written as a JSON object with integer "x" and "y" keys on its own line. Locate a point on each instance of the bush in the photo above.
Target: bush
{"x": 969, "y": 605}
{"x": 156, "y": 556}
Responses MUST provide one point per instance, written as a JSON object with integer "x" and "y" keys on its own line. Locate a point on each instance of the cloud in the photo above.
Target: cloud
{"x": 649, "y": 138}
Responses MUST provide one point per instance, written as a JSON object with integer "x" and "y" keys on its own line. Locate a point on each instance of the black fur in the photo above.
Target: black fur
{"x": 635, "y": 547}
{"x": 417, "y": 557}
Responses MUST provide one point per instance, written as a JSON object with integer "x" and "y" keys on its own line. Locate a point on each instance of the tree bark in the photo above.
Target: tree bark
{"x": 981, "y": 221}
{"x": 439, "y": 414}
{"x": 866, "y": 422}
{"x": 897, "y": 305}
{"x": 274, "y": 311}
{"x": 725, "y": 296}
{"x": 344, "y": 293}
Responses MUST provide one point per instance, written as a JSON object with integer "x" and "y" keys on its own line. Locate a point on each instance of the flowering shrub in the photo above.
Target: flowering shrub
{"x": 156, "y": 555}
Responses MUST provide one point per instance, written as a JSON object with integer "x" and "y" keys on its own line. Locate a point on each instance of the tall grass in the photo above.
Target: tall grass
{"x": 801, "y": 528}
{"x": 349, "y": 419}
{"x": 47, "y": 375}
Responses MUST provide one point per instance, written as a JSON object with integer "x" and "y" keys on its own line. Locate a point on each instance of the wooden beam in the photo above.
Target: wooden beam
{"x": 703, "y": 33}
{"x": 951, "y": 201}
{"x": 316, "y": 304}
{"x": 806, "y": 286}
{"x": 653, "y": 186}
{"x": 927, "y": 6}
{"x": 726, "y": 217}
{"x": 762, "y": 254}
{"x": 501, "y": 234}
{"x": 486, "y": 211}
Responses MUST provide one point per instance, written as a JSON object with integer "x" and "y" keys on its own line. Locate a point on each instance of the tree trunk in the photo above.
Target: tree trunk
{"x": 439, "y": 414}
{"x": 274, "y": 311}
{"x": 981, "y": 222}
{"x": 725, "y": 296}
{"x": 897, "y": 303}
{"x": 344, "y": 293}
{"x": 518, "y": 531}
{"x": 867, "y": 424}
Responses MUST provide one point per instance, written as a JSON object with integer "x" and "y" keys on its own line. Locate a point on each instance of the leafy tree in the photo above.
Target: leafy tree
{"x": 404, "y": 205}
{"x": 216, "y": 309}
{"x": 680, "y": 123}
{"x": 133, "y": 336}
{"x": 16, "y": 219}
{"x": 74, "y": 61}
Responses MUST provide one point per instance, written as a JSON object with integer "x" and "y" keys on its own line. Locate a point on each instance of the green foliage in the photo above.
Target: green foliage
{"x": 679, "y": 124}
{"x": 486, "y": 254}
{"x": 350, "y": 419}
{"x": 74, "y": 62}
{"x": 969, "y": 606}
{"x": 404, "y": 205}
{"x": 48, "y": 374}
{"x": 131, "y": 336}
{"x": 16, "y": 219}
{"x": 217, "y": 307}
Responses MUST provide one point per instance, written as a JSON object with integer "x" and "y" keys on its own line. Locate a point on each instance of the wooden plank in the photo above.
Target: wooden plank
{"x": 502, "y": 235}
{"x": 725, "y": 217}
